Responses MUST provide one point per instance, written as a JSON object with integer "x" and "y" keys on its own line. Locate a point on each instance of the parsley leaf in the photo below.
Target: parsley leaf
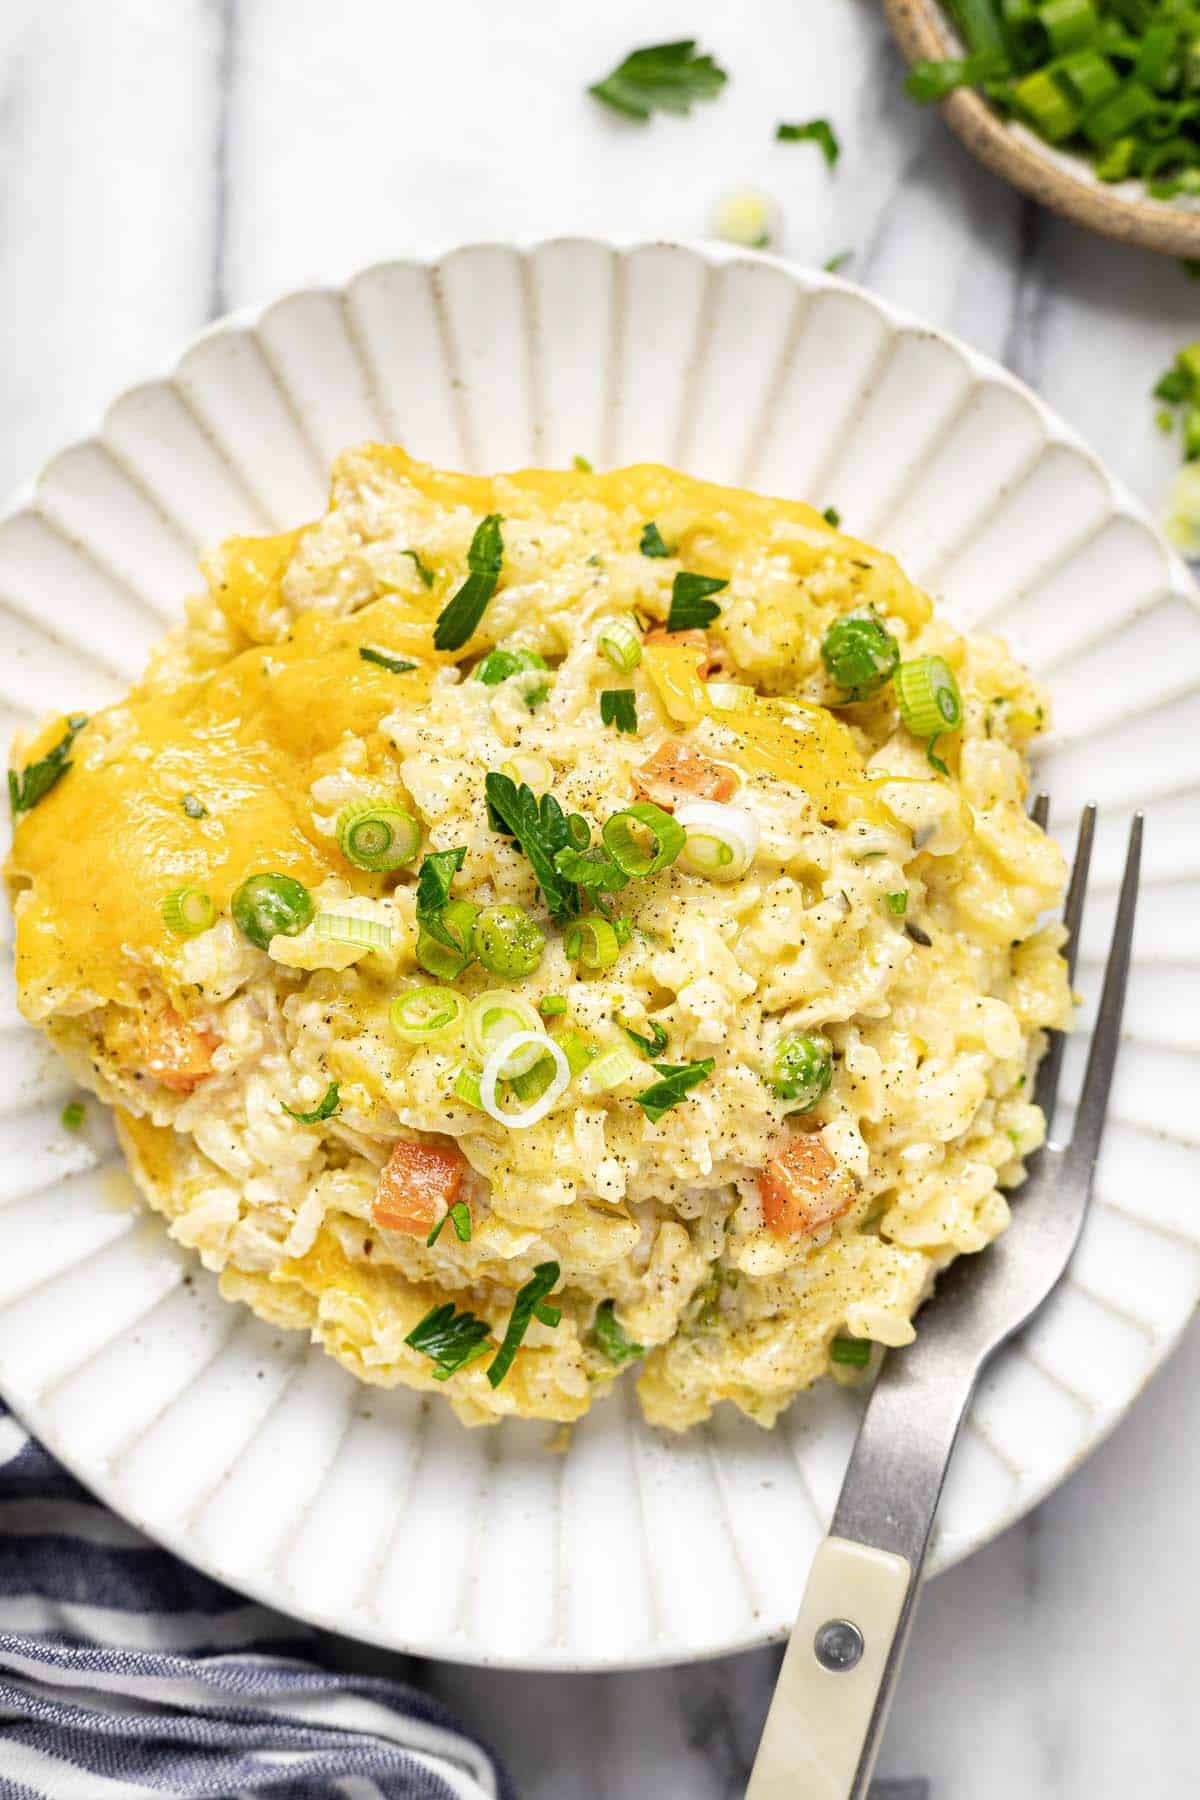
{"x": 677, "y": 1080}
{"x": 654, "y": 1045}
{"x": 689, "y": 605}
{"x": 541, "y": 829}
{"x": 460, "y": 617}
{"x": 609, "y": 1338}
{"x": 328, "y": 1106}
{"x": 396, "y": 664}
{"x": 652, "y": 541}
{"x": 832, "y": 516}
{"x": 662, "y": 77}
{"x": 817, "y": 131}
{"x": 595, "y": 870}
{"x": 195, "y": 809}
{"x": 450, "y": 1339}
{"x": 618, "y": 706}
{"x": 459, "y": 1216}
{"x": 527, "y": 1303}
{"x": 422, "y": 568}
{"x": 433, "y": 890}
{"x": 32, "y": 783}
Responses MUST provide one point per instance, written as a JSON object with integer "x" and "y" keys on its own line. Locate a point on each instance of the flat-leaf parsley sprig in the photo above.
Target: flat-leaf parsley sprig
{"x": 32, "y": 783}
{"x": 459, "y": 618}
{"x": 454, "y": 1339}
{"x": 660, "y": 78}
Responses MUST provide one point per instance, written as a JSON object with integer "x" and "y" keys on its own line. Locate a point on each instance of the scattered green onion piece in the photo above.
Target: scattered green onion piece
{"x": 498, "y": 665}
{"x": 1117, "y": 162}
{"x": 378, "y": 835}
{"x": 722, "y": 840}
{"x": 195, "y": 809}
{"x": 530, "y": 769}
{"x": 465, "y": 1087}
{"x": 581, "y": 464}
{"x": 620, "y": 643}
{"x": 729, "y": 696}
{"x": 507, "y": 941}
{"x": 575, "y": 1047}
{"x": 980, "y": 26}
{"x": 534, "y": 1082}
{"x": 497, "y": 1015}
{"x": 346, "y": 928}
{"x": 443, "y": 960}
{"x": 72, "y": 1115}
{"x": 187, "y": 911}
{"x": 423, "y": 1015}
{"x": 610, "y": 1339}
{"x": 267, "y": 906}
{"x": 802, "y": 1069}
{"x": 510, "y": 1054}
{"x": 551, "y": 1004}
{"x": 624, "y": 834}
{"x": 1191, "y": 433}
{"x": 458, "y": 1215}
{"x": 928, "y": 696}
{"x": 855, "y": 1353}
{"x": 860, "y": 653}
{"x": 898, "y": 903}
{"x": 610, "y": 1069}
{"x": 816, "y": 131}
{"x": 395, "y": 665}
{"x": 591, "y": 942}
{"x": 932, "y": 80}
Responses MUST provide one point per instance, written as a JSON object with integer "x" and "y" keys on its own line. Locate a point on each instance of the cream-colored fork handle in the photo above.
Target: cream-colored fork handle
{"x": 812, "y": 1744}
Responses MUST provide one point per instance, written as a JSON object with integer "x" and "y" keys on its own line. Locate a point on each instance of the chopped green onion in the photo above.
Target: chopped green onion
{"x": 509, "y": 1057}
{"x": 817, "y": 131}
{"x": 267, "y": 906}
{"x": 677, "y": 1081}
{"x": 498, "y": 1015}
{"x": 1068, "y": 23}
{"x": 464, "y": 1086}
{"x": 529, "y": 769}
{"x": 498, "y": 665}
{"x": 802, "y": 1069}
{"x": 459, "y": 1215}
{"x": 422, "y": 1015}
{"x": 195, "y": 809}
{"x": 620, "y": 643}
{"x": 325, "y": 1109}
{"x": 187, "y": 911}
{"x": 610, "y": 1338}
{"x": 581, "y": 464}
{"x": 928, "y": 696}
{"x": 898, "y": 903}
{"x": 1048, "y": 109}
{"x": 376, "y": 834}
{"x": 575, "y": 1047}
{"x": 526, "y": 1306}
{"x": 1090, "y": 77}
{"x": 931, "y": 80}
{"x": 722, "y": 840}
{"x": 618, "y": 706}
{"x": 72, "y": 1115}
{"x": 860, "y": 653}
{"x": 347, "y": 928}
{"x": 690, "y": 606}
{"x": 610, "y": 1069}
{"x": 729, "y": 696}
{"x": 591, "y": 942}
{"x": 625, "y": 834}
{"x": 445, "y": 961}
{"x": 855, "y": 1353}
{"x": 395, "y": 665}
{"x": 507, "y": 941}
{"x": 551, "y": 1004}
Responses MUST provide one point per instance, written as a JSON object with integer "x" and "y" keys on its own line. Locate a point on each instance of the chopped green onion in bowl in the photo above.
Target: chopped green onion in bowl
{"x": 378, "y": 835}
{"x": 493, "y": 1018}
{"x": 721, "y": 840}
{"x": 348, "y": 928}
{"x": 423, "y": 1015}
{"x": 187, "y": 911}
{"x": 642, "y": 839}
{"x": 621, "y": 644}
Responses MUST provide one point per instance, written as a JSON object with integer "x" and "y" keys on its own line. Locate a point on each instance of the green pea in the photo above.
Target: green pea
{"x": 508, "y": 941}
{"x": 267, "y": 906}
{"x": 860, "y": 653}
{"x": 802, "y": 1069}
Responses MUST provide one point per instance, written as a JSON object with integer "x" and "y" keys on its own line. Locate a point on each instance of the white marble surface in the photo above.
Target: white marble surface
{"x": 161, "y": 163}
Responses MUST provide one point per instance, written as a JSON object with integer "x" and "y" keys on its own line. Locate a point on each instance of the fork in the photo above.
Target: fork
{"x": 830, "y": 1705}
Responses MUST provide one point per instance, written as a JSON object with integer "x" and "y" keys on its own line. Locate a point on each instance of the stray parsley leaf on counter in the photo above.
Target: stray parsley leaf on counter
{"x": 608, "y": 1337}
{"x": 460, "y": 617}
{"x": 660, "y": 78}
{"x": 541, "y": 829}
{"x": 690, "y": 606}
{"x": 450, "y": 1339}
{"x": 32, "y": 783}
{"x": 816, "y": 131}
{"x": 325, "y": 1110}
{"x": 433, "y": 891}
{"x": 527, "y": 1305}
{"x": 618, "y": 706}
{"x": 397, "y": 665}
{"x": 677, "y": 1080}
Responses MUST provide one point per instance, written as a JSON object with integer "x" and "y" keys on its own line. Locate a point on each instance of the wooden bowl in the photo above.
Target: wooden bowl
{"x": 1063, "y": 182}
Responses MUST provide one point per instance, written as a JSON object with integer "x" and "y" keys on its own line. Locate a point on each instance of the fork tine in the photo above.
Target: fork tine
{"x": 1106, "y": 1038}
{"x": 1041, "y": 811}
{"x": 1051, "y": 1065}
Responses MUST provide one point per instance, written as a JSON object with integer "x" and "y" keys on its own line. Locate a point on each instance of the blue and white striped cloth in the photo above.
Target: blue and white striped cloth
{"x": 125, "y": 1674}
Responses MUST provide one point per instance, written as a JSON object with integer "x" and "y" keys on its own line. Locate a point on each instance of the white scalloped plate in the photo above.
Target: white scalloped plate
{"x": 255, "y": 1456}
